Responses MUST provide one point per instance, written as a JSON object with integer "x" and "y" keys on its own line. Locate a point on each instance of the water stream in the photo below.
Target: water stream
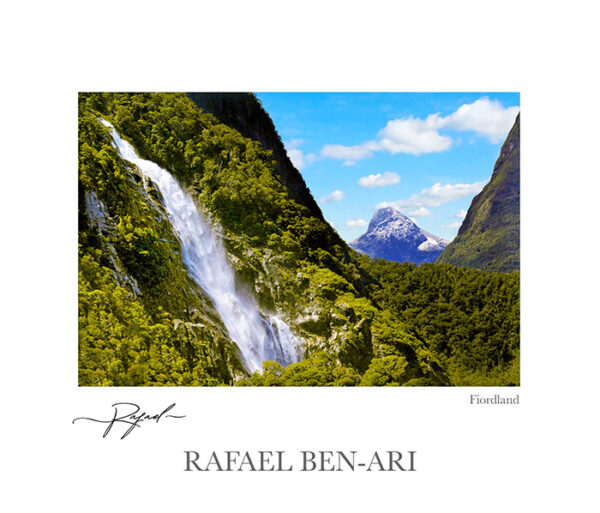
{"x": 259, "y": 337}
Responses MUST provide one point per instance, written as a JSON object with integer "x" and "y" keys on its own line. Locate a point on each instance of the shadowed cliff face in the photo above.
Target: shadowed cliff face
{"x": 489, "y": 236}
{"x": 244, "y": 113}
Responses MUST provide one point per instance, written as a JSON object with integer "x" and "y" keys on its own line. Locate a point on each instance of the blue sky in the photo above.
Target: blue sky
{"x": 427, "y": 154}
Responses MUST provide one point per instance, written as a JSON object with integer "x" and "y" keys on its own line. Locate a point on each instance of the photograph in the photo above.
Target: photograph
{"x": 299, "y": 239}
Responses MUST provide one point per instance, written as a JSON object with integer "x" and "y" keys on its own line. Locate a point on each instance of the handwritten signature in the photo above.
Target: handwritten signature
{"x": 130, "y": 415}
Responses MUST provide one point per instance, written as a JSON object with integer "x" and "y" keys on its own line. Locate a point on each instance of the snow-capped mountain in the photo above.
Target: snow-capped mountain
{"x": 393, "y": 236}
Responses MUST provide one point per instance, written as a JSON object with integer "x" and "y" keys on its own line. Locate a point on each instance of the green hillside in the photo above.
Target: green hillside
{"x": 489, "y": 236}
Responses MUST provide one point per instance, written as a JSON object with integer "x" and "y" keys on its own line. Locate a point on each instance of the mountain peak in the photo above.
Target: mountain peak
{"x": 387, "y": 215}
{"x": 389, "y": 222}
{"x": 393, "y": 236}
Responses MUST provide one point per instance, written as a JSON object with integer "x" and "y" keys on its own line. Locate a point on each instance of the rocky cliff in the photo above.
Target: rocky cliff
{"x": 489, "y": 237}
{"x": 244, "y": 113}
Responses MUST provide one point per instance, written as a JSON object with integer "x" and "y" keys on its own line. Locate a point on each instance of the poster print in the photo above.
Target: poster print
{"x": 467, "y": 456}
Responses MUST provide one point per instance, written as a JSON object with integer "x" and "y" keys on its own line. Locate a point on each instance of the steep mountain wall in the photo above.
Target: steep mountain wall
{"x": 489, "y": 237}
{"x": 244, "y": 113}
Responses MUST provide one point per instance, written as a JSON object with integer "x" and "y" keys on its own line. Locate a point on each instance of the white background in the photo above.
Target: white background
{"x": 541, "y": 455}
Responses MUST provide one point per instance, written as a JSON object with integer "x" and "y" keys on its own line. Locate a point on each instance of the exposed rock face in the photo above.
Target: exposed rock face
{"x": 244, "y": 112}
{"x": 393, "y": 236}
{"x": 489, "y": 236}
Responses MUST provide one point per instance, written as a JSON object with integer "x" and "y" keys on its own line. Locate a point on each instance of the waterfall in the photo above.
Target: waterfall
{"x": 258, "y": 336}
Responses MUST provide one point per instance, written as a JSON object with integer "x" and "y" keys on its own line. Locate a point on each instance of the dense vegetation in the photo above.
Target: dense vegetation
{"x": 121, "y": 344}
{"x": 489, "y": 237}
{"x": 244, "y": 113}
{"x": 144, "y": 321}
{"x": 469, "y": 318}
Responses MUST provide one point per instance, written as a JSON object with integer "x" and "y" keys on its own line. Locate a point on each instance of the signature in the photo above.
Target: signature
{"x": 130, "y": 415}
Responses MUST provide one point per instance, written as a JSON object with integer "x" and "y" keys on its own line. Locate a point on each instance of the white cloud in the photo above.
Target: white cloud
{"x": 379, "y": 180}
{"x": 334, "y": 197}
{"x": 415, "y": 136}
{"x": 452, "y": 225}
{"x": 484, "y": 116}
{"x": 348, "y": 163}
{"x": 356, "y": 223}
{"x": 461, "y": 214}
{"x": 295, "y": 153}
{"x": 419, "y": 212}
{"x": 349, "y": 153}
{"x": 297, "y": 158}
{"x": 294, "y": 143}
{"x": 487, "y": 118}
{"x": 439, "y": 194}
{"x": 435, "y": 196}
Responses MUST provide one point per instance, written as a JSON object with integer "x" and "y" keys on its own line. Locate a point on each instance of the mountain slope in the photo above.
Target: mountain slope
{"x": 244, "y": 113}
{"x": 393, "y": 236}
{"x": 489, "y": 236}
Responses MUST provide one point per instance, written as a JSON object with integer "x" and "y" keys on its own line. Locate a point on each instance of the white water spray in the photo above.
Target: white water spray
{"x": 259, "y": 338}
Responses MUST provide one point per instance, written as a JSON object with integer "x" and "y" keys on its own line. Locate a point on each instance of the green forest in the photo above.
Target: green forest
{"x": 144, "y": 322}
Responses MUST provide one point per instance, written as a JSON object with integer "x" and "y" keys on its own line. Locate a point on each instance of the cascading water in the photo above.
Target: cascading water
{"x": 259, "y": 338}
